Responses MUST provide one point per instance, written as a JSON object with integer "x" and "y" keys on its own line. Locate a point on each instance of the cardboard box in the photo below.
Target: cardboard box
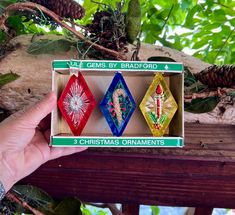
{"x": 138, "y": 76}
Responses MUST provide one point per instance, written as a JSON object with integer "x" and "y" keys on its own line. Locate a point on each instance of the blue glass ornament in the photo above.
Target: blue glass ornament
{"x": 117, "y": 105}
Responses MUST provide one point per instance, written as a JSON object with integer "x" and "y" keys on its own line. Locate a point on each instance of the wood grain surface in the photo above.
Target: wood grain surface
{"x": 200, "y": 175}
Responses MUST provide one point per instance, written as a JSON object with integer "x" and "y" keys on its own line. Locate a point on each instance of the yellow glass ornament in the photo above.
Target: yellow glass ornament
{"x": 158, "y": 106}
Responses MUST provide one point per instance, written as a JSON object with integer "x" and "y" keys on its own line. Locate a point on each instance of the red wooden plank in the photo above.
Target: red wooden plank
{"x": 158, "y": 181}
{"x": 130, "y": 209}
{"x": 203, "y": 211}
{"x": 183, "y": 177}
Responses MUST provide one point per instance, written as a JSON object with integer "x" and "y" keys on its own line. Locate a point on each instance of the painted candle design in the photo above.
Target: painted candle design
{"x": 158, "y": 99}
{"x": 76, "y": 103}
{"x": 158, "y": 106}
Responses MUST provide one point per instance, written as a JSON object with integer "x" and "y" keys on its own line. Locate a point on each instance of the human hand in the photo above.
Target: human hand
{"x": 23, "y": 148}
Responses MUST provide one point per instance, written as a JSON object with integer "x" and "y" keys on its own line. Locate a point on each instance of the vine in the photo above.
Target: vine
{"x": 32, "y": 7}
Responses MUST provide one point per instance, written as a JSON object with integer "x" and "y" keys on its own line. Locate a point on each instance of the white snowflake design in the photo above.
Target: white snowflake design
{"x": 76, "y": 103}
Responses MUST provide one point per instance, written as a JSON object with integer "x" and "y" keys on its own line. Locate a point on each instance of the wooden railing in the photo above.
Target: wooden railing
{"x": 200, "y": 175}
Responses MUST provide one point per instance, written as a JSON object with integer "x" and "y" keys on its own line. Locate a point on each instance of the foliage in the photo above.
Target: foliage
{"x": 206, "y": 27}
{"x": 19, "y": 23}
{"x": 7, "y": 78}
{"x": 155, "y": 210}
{"x": 41, "y": 201}
{"x": 199, "y": 105}
{"x": 68, "y": 207}
{"x": 34, "y": 196}
{"x": 191, "y": 84}
{"x": 202, "y": 105}
{"x": 49, "y": 46}
{"x": 5, "y": 3}
{"x": 90, "y": 210}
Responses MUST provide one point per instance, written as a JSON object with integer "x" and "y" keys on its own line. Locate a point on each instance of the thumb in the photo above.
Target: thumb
{"x": 36, "y": 113}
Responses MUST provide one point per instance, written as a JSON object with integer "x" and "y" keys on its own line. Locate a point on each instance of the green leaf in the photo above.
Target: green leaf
{"x": 185, "y": 4}
{"x": 152, "y": 11}
{"x": 152, "y": 27}
{"x": 3, "y": 36}
{"x": 189, "y": 78}
{"x": 5, "y": 3}
{"x": 15, "y": 22}
{"x": 183, "y": 35}
{"x": 102, "y": 213}
{"x": 166, "y": 43}
{"x": 201, "y": 43}
{"x": 7, "y": 78}
{"x": 85, "y": 211}
{"x": 36, "y": 196}
{"x": 49, "y": 47}
{"x": 69, "y": 206}
{"x": 219, "y": 15}
{"x": 209, "y": 27}
{"x": 153, "y": 117}
{"x": 177, "y": 43}
{"x": 155, "y": 210}
{"x": 202, "y": 105}
{"x": 188, "y": 22}
{"x": 226, "y": 29}
{"x": 149, "y": 38}
{"x": 198, "y": 55}
{"x": 199, "y": 35}
{"x": 232, "y": 21}
{"x": 163, "y": 14}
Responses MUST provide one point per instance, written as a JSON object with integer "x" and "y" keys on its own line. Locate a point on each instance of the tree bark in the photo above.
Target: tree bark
{"x": 35, "y": 77}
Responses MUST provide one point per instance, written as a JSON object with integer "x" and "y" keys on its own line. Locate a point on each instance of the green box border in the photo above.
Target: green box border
{"x": 82, "y": 141}
{"x": 134, "y": 66}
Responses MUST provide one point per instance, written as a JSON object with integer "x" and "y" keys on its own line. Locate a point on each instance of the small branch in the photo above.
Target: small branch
{"x": 169, "y": 14}
{"x": 221, "y": 48}
{"x": 135, "y": 55}
{"x": 99, "y": 3}
{"x": 12, "y": 197}
{"x": 219, "y": 92}
{"x": 56, "y": 18}
{"x": 112, "y": 207}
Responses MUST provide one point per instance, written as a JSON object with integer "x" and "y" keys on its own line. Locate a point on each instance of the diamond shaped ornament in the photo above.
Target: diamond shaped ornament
{"x": 158, "y": 106}
{"x": 76, "y": 103}
{"x": 117, "y": 105}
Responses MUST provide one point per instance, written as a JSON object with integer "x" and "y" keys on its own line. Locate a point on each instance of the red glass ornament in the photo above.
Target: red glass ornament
{"x": 76, "y": 103}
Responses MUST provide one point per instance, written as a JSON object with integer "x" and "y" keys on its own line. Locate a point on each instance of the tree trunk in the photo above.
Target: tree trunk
{"x": 35, "y": 77}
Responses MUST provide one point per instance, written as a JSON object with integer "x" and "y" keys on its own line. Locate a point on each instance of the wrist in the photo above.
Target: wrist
{"x": 2, "y": 191}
